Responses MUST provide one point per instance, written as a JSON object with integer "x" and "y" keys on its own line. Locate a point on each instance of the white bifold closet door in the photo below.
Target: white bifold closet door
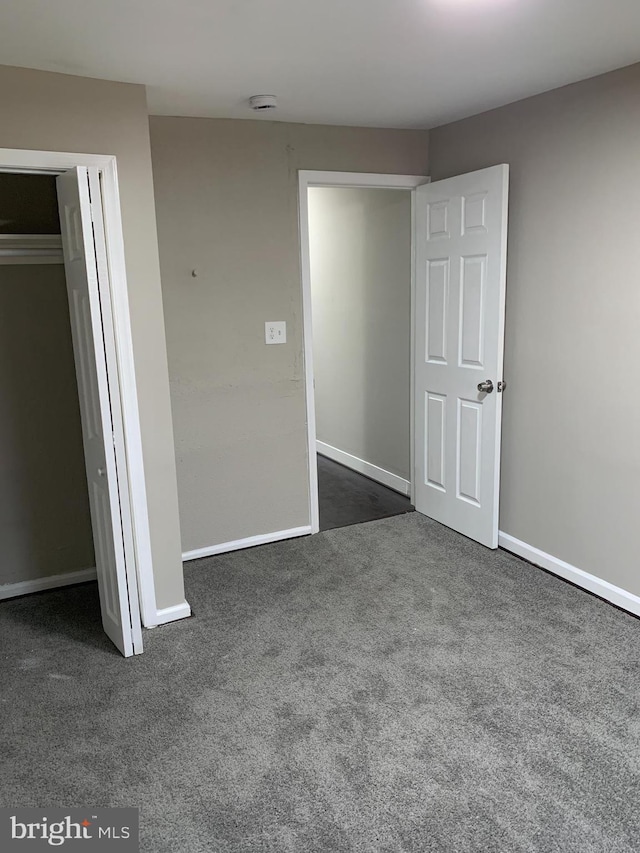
{"x": 461, "y": 250}
{"x": 94, "y": 352}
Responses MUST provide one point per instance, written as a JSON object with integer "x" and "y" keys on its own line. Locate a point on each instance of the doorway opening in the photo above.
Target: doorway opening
{"x": 458, "y": 285}
{"x": 73, "y": 491}
{"x": 358, "y": 263}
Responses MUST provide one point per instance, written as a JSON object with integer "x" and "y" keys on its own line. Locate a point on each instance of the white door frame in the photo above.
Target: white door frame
{"x": 362, "y": 180}
{"x": 128, "y": 439}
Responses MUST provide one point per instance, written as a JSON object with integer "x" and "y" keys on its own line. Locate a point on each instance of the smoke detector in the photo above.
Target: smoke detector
{"x": 261, "y": 103}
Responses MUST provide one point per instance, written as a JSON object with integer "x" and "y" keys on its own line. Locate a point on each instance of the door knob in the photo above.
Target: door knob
{"x": 485, "y": 387}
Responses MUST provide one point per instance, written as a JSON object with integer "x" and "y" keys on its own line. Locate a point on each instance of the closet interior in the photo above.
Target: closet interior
{"x": 45, "y": 525}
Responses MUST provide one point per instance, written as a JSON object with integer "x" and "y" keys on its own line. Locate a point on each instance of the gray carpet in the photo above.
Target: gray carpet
{"x": 390, "y": 686}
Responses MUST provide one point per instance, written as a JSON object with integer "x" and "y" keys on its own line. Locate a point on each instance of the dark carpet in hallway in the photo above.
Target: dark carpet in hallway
{"x": 347, "y": 497}
{"x": 384, "y": 687}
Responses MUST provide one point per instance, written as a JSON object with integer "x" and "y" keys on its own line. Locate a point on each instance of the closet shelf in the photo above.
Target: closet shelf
{"x": 31, "y": 249}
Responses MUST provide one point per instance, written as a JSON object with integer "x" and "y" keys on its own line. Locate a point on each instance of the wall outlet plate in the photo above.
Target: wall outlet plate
{"x": 275, "y": 332}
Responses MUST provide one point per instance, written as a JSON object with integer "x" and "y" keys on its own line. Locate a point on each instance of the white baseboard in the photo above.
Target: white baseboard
{"x": 249, "y": 542}
{"x": 12, "y": 590}
{"x": 171, "y": 614}
{"x": 373, "y": 472}
{"x": 620, "y": 597}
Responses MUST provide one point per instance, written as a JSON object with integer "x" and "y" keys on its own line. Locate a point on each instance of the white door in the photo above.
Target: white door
{"x": 120, "y": 619}
{"x": 461, "y": 256}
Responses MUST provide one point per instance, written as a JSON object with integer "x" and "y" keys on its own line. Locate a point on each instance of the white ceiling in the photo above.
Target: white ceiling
{"x": 385, "y": 63}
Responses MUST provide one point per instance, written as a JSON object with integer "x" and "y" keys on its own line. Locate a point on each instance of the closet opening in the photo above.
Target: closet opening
{"x": 72, "y": 498}
{"x": 45, "y": 520}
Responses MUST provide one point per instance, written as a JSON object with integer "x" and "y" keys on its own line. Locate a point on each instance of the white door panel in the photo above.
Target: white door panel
{"x": 117, "y": 417}
{"x": 461, "y": 241}
{"x": 81, "y": 272}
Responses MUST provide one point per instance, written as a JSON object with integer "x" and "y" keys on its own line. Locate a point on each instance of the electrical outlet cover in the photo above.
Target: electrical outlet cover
{"x": 275, "y": 332}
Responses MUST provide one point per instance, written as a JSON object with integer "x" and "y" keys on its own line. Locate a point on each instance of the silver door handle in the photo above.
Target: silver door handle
{"x": 485, "y": 387}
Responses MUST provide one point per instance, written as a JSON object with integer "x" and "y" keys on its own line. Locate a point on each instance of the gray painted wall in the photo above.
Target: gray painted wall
{"x": 57, "y": 112}
{"x": 571, "y": 453}
{"x": 45, "y": 527}
{"x": 360, "y": 253}
{"x": 226, "y": 199}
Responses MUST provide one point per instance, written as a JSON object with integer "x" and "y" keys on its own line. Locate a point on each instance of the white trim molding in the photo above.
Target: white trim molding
{"x": 138, "y": 505}
{"x": 603, "y": 589}
{"x": 249, "y": 542}
{"x": 171, "y": 614}
{"x": 373, "y": 472}
{"x": 12, "y": 590}
{"x": 312, "y": 178}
